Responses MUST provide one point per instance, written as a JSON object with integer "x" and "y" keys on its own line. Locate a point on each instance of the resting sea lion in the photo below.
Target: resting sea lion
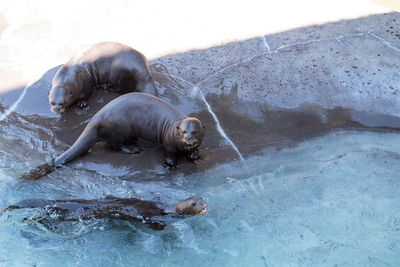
{"x": 130, "y": 209}
{"x": 118, "y": 65}
{"x": 137, "y": 115}
{"x": 129, "y": 117}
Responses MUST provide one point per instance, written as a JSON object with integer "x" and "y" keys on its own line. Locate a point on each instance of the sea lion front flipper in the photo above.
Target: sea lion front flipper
{"x": 170, "y": 158}
{"x": 81, "y": 107}
{"x": 170, "y": 163}
{"x": 38, "y": 172}
{"x": 194, "y": 155}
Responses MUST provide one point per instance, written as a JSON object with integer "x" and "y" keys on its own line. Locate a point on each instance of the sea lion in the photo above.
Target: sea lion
{"x": 138, "y": 115}
{"x": 130, "y": 209}
{"x": 118, "y": 65}
{"x": 127, "y": 118}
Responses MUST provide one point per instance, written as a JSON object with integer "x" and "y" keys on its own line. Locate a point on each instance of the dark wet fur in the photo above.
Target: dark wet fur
{"x": 130, "y": 209}
{"x": 113, "y": 65}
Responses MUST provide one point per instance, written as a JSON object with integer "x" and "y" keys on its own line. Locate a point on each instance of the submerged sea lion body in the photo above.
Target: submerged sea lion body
{"x": 118, "y": 65}
{"x": 137, "y": 115}
{"x": 130, "y": 209}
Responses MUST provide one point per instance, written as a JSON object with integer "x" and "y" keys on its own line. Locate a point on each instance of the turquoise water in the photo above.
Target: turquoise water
{"x": 325, "y": 201}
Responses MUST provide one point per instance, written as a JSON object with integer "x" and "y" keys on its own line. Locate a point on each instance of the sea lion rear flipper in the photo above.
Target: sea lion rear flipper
{"x": 85, "y": 141}
{"x": 37, "y": 173}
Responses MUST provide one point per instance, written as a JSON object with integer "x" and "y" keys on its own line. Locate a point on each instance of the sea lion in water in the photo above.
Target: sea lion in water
{"x": 130, "y": 209}
{"x": 118, "y": 65}
{"x": 125, "y": 119}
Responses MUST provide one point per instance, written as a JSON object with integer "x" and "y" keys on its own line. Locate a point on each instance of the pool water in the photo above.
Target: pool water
{"x": 329, "y": 200}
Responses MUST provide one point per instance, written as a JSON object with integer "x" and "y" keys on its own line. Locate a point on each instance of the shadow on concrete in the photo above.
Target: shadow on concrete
{"x": 272, "y": 91}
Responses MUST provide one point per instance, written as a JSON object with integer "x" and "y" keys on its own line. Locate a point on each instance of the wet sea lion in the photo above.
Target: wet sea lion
{"x": 129, "y": 209}
{"x": 118, "y": 65}
{"x": 127, "y": 118}
{"x": 138, "y": 115}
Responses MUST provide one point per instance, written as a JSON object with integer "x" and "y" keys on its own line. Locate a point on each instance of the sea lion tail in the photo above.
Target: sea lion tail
{"x": 85, "y": 141}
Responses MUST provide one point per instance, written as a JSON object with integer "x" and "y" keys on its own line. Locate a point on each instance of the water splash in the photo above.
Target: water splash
{"x": 197, "y": 92}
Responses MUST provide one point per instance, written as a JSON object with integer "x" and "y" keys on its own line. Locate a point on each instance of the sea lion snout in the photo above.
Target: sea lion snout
{"x": 187, "y": 135}
{"x": 57, "y": 99}
{"x": 57, "y": 109}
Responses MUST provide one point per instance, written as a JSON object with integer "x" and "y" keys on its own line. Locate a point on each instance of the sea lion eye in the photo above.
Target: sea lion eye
{"x": 177, "y": 127}
{"x": 194, "y": 204}
{"x": 184, "y": 132}
{"x": 52, "y": 103}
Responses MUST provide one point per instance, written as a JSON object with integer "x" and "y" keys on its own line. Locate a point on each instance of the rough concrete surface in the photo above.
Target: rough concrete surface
{"x": 348, "y": 64}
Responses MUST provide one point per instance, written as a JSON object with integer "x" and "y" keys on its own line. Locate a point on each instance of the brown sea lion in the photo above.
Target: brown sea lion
{"x": 127, "y": 118}
{"x": 138, "y": 115}
{"x": 130, "y": 209}
{"x": 118, "y": 65}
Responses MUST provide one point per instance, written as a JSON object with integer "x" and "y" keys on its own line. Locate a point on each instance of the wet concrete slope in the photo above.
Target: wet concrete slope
{"x": 272, "y": 90}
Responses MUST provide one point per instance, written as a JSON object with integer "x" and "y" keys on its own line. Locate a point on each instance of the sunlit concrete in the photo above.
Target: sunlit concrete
{"x": 280, "y": 54}
{"x": 38, "y": 35}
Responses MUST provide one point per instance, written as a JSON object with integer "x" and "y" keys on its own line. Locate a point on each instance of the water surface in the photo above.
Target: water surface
{"x": 327, "y": 200}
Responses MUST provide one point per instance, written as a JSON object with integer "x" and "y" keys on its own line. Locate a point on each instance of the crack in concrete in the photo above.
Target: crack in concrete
{"x": 264, "y": 40}
{"x": 232, "y": 65}
{"x": 175, "y": 77}
{"x": 178, "y": 78}
{"x": 197, "y": 91}
{"x": 384, "y": 42}
{"x": 269, "y": 51}
{"x": 337, "y": 38}
{"x": 7, "y": 112}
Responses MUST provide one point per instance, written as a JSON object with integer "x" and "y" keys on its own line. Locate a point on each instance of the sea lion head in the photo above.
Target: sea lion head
{"x": 189, "y": 134}
{"x": 59, "y": 99}
{"x": 192, "y": 206}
